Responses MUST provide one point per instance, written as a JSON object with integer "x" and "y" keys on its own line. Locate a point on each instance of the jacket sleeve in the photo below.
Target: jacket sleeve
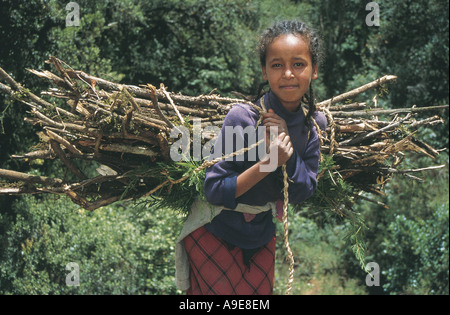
{"x": 220, "y": 180}
{"x": 302, "y": 170}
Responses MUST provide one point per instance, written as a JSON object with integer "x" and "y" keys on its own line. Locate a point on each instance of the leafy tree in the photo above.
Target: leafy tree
{"x": 23, "y": 31}
{"x": 412, "y": 43}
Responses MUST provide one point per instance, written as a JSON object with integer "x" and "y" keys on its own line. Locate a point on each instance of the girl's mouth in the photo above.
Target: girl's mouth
{"x": 289, "y": 87}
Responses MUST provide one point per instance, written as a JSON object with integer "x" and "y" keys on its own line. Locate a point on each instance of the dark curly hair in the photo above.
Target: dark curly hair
{"x": 315, "y": 48}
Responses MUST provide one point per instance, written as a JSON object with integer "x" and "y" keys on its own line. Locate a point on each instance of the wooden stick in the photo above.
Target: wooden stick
{"x": 351, "y": 106}
{"x": 19, "y": 88}
{"x": 154, "y": 99}
{"x": 40, "y": 154}
{"x": 414, "y": 170}
{"x": 6, "y": 89}
{"x": 50, "y": 76}
{"x": 163, "y": 89}
{"x": 64, "y": 142}
{"x": 131, "y": 99}
{"x": 28, "y": 190}
{"x": 33, "y": 179}
{"x": 50, "y": 122}
{"x": 5, "y": 76}
{"x": 139, "y": 150}
{"x": 62, "y": 156}
{"x": 91, "y": 206}
{"x": 363, "y": 137}
{"x": 377, "y": 112}
{"x": 351, "y": 94}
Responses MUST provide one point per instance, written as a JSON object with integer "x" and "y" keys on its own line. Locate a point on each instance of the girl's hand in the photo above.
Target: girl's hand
{"x": 283, "y": 141}
{"x": 280, "y": 149}
{"x": 272, "y": 119}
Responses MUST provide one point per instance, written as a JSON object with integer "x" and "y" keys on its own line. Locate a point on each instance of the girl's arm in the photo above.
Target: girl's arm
{"x": 302, "y": 171}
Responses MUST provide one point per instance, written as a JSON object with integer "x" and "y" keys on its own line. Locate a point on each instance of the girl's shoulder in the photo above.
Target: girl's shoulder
{"x": 241, "y": 114}
{"x": 320, "y": 119}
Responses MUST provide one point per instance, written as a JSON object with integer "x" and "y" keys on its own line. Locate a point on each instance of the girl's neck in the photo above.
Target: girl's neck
{"x": 291, "y": 106}
{"x": 272, "y": 101}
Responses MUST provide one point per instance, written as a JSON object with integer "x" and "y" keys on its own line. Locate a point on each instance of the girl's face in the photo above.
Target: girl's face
{"x": 289, "y": 69}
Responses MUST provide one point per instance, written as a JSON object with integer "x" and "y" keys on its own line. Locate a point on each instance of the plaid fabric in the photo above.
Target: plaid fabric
{"x": 217, "y": 269}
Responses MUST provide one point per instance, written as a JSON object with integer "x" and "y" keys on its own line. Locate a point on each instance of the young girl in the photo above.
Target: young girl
{"x": 227, "y": 245}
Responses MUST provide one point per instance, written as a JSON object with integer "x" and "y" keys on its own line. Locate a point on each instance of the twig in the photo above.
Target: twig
{"x": 413, "y": 170}
{"x": 19, "y": 88}
{"x": 371, "y": 200}
{"x": 62, "y": 156}
{"x": 123, "y": 148}
{"x": 163, "y": 89}
{"x": 154, "y": 99}
{"x": 5, "y": 76}
{"x": 88, "y": 205}
{"x": 131, "y": 99}
{"x": 40, "y": 154}
{"x": 351, "y": 106}
{"x": 33, "y": 179}
{"x": 351, "y": 94}
{"x": 64, "y": 142}
{"x": 50, "y": 122}
{"x": 377, "y": 112}
{"x": 361, "y": 138}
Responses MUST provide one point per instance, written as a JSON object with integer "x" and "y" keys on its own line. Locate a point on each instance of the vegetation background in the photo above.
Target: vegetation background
{"x": 194, "y": 46}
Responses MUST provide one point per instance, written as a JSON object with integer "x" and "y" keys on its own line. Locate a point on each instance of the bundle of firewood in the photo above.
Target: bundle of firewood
{"x": 124, "y": 133}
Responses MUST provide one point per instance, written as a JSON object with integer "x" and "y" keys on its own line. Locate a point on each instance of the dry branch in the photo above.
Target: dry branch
{"x": 31, "y": 179}
{"x": 125, "y": 127}
{"x": 353, "y": 93}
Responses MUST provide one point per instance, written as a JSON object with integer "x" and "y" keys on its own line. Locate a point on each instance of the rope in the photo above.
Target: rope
{"x": 333, "y": 142}
{"x": 290, "y": 255}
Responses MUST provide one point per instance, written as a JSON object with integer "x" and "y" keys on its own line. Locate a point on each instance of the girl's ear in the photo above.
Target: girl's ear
{"x": 264, "y": 73}
{"x": 314, "y": 72}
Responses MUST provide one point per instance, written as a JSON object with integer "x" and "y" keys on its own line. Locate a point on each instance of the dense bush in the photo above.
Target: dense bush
{"x": 420, "y": 250}
{"x": 123, "y": 249}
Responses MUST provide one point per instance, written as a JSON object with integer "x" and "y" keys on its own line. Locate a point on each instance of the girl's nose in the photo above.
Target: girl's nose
{"x": 288, "y": 73}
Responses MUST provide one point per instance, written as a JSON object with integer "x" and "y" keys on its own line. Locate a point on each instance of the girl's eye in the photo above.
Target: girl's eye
{"x": 276, "y": 65}
{"x": 298, "y": 64}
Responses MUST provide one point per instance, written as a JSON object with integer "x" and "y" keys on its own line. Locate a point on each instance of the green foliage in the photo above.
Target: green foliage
{"x": 334, "y": 200}
{"x": 120, "y": 250}
{"x": 332, "y": 190}
{"x": 409, "y": 241}
{"x": 416, "y": 239}
{"x": 319, "y": 261}
{"x": 180, "y": 196}
{"x": 421, "y": 250}
{"x": 408, "y": 32}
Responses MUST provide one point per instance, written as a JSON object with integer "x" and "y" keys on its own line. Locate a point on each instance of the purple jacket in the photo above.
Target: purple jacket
{"x": 220, "y": 181}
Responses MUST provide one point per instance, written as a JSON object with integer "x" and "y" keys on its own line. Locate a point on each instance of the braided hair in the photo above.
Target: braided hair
{"x": 315, "y": 48}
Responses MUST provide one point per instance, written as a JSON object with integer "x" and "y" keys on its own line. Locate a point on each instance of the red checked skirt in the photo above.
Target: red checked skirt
{"x": 215, "y": 269}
